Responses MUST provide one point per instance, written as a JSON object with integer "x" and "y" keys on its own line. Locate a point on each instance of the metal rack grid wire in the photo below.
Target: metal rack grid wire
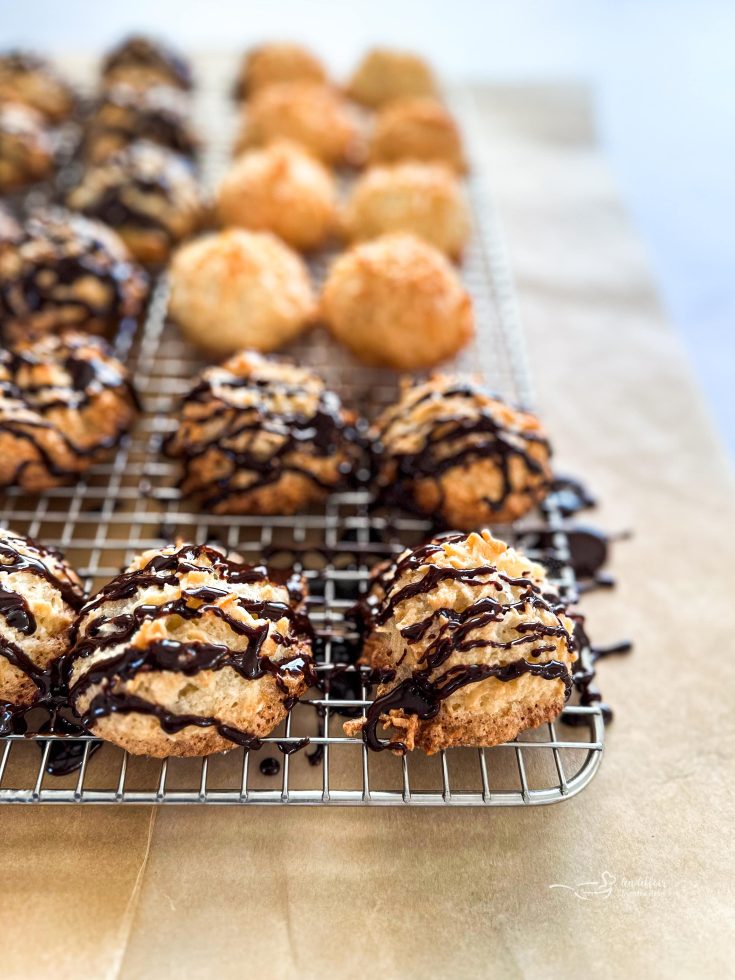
{"x": 131, "y": 503}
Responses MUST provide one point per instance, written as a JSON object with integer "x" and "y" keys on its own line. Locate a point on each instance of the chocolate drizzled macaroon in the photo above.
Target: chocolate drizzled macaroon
{"x": 124, "y": 114}
{"x": 143, "y": 62}
{"x": 473, "y": 646}
{"x": 27, "y": 151}
{"x": 65, "y": 402}
{"x": 188, "y": 653}
{"x": 259, "y": 436}
{"x": 66, "y": 271}
{"x": 277, "y": 61}
{"x": 449, "y": 449}
{"x": 40, "y": 595}
{"x": 147, "y": 193}
{"x": 25, "y": 77}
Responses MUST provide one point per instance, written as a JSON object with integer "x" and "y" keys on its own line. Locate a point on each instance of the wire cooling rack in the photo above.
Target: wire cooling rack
{"x": 131, "y": 503}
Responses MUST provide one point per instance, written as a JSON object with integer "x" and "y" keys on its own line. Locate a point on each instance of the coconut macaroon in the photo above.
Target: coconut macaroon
{"x": 385, "y": 74}
{"x": 422, "y": 198}
{"x": 309, "y": 113}
{"x": 477, "y": 645}
{"x": 234, "y": 289}
{"x": 27, "y": 151}
{"x": 65, "y": 402}
{"x": 148, "y": 194}
{"x": 277, "y": 61}
{"x": 27, "y": 78}
{"x": 416, "y": 129}
{"x": 188, "y": 652}
{"x": 261, "y": 436}
{"x": 64, "y": 270}
{"x": 124, "y": 114}
{"x": 281, "y": 188}
{"x": 143, "y": 62}
{"x": 396, "y": 301}
{"x": 451, "y": 450}
{"x": 40, "y": 595}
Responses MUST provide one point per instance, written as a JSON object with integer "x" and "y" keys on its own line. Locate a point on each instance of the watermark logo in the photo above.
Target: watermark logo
{"x": 602, "y": 888}
{"x": 586, "y": 891}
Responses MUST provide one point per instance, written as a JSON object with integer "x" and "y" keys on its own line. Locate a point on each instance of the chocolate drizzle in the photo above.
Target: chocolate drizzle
{"x": 584, "y": 675}
{"x": 453, "y": 440}
{"x": 53, "y": 97}
{"x": 159, "y": 114}
{"x": 95, "y": 633}
{"x": 30, "y": 412}
{"x": 20, "y": 555}
{"x": 143, "y": 186}
{"x": 257, "y": 439}
{"x": 138, "y": 51}
{"x": 453, "y": 631}
{"x": 419, "y": 696}
{"x": 571, "y": 495}
{"x": 58, "y": 251}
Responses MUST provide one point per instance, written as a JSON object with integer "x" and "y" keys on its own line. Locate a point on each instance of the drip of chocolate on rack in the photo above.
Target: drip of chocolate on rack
{"x": 457, "y": 440}
{"x": 584, "y": 673}
{"x": 270, "y": 766}
{"x": 288, "y": 748}
{"x": 571, "y": 495}
{"x": 230, "y": 427}
{"x": 586, "y": 551}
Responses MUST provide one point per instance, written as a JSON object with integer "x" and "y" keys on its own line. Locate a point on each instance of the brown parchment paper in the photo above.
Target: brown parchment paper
{"x": 286, "y": 892}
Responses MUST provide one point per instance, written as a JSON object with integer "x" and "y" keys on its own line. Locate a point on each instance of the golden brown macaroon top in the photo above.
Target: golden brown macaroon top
{"x": 306, "y": 112}
{"x": 386, "y": 74}
{"x": 397, "y": 301}
{"x": 417, "y": 129}
{"x": 274, "y": 62}
{"x": 422, "y": 198}
{"x": 280, "y": 188}
{"x": 236, "y": 288}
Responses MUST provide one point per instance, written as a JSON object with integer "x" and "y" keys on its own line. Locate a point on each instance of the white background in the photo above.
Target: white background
{"x": 663, "y": 72}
